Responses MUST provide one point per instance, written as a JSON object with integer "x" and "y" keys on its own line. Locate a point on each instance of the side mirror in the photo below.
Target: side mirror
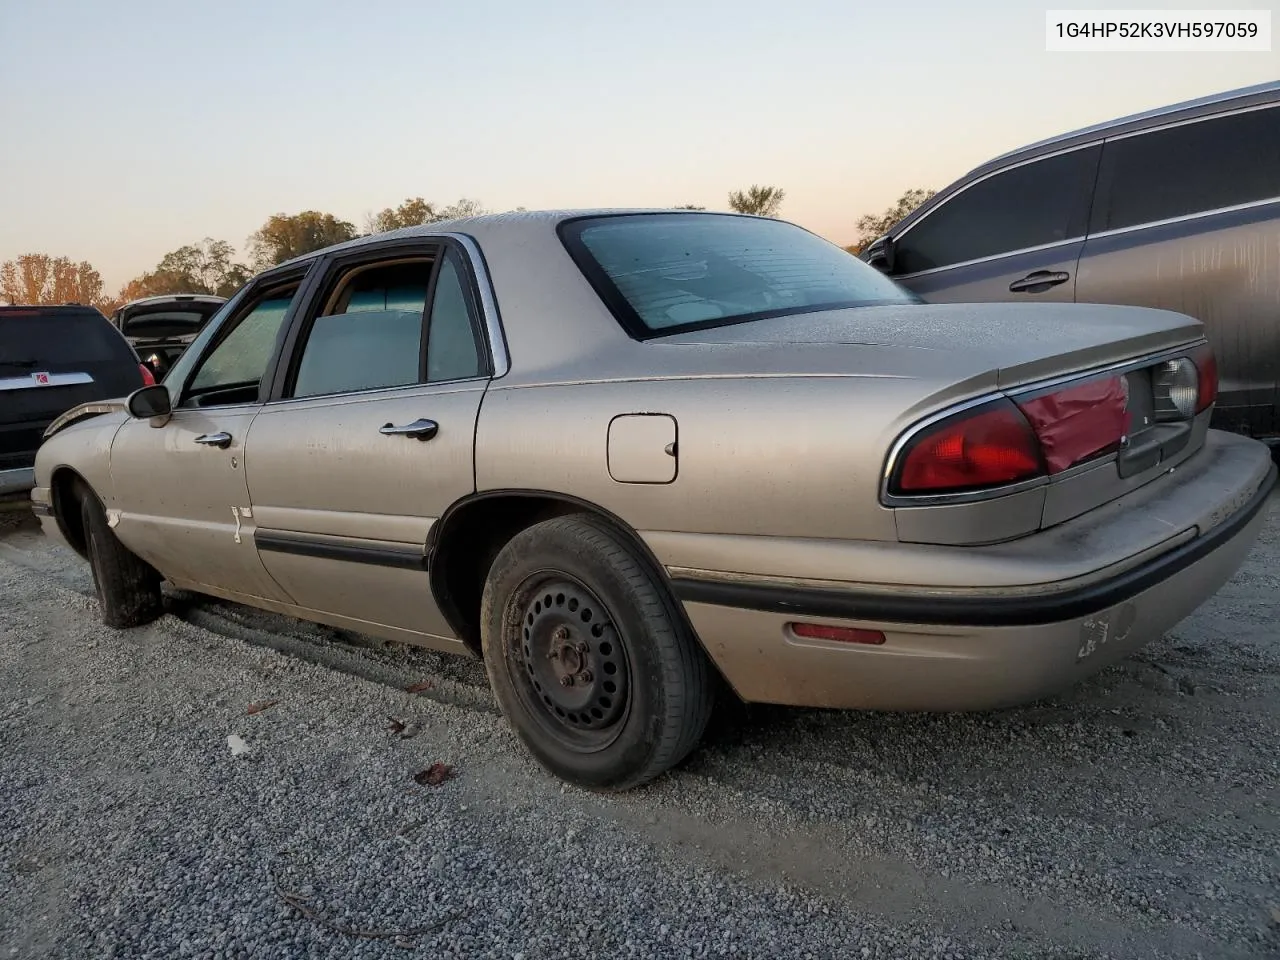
{"x": 149, "y": 402}
{"x": 881, "y": 254}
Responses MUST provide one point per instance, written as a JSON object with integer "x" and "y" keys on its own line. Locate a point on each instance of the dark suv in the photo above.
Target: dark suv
{"x": 1177, "y": 208}
{"x": 53, "y": 359}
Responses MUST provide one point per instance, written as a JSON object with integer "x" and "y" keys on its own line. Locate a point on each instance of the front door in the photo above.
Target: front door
{"x": 179, "y": 482}
{"x": 1014, "y": 236}
{"x": 372, "y": 438}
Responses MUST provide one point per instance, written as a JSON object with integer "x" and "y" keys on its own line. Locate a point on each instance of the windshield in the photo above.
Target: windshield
{"x": 667, "y": 273}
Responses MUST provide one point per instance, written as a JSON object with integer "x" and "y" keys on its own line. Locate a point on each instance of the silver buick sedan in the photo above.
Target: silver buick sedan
{"x": 636, "y": 459}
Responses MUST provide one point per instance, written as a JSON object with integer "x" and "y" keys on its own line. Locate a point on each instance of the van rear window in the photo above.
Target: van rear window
{"x": 38, "y": 339}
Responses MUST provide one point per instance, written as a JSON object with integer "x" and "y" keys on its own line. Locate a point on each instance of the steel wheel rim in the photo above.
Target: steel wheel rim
{"x": 569, "y": 661}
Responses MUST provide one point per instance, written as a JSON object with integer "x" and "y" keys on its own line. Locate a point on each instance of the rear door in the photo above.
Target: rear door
{"x": 372, "y": 436}
{"x": 1187, "y": 218}
{"x": 1014, "y": 235}
{"x": 53, "y": 359}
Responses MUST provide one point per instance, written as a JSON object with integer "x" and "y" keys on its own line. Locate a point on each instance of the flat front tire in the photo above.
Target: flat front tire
{"x": 589, "y": 660}
{"x": 128, "y": 587}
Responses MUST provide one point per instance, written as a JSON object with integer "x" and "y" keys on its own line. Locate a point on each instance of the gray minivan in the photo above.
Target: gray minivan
{"x": 1177, "y": 208}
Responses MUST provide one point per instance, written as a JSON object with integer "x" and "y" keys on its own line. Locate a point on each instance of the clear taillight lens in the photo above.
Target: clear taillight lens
{"x": 1176, "y": 385}
{"x": 1207, "y": 377}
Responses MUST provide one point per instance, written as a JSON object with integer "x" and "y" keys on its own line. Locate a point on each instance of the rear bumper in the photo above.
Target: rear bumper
{"x": 945, "y": 651}
{"x": 18, "y": 480}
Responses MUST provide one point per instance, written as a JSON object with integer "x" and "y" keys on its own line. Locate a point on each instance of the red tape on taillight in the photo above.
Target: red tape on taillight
{"x": 1207, "y": 372}
{"x": 1080, "y": 422}
{"x": 988, "y": 446}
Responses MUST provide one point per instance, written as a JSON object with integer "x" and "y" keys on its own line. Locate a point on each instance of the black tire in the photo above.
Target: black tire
{"x": 128, "y": 587}
{"x": 641, "y": 687}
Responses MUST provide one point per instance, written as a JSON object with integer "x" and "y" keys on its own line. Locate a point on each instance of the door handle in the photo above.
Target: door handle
{"x": 1040, "y": 279}
{"x": 419, "y": 429}
{"x": 219, "y": 440}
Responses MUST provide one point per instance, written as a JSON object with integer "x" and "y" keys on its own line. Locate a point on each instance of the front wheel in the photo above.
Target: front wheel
{"x": 128, "y": 588}
{"x": 588, "y": 658}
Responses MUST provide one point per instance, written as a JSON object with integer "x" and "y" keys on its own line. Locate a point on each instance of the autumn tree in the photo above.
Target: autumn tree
{"x": 286, "y": 236}
{"x": 760, "y": 201}
{"x": 411, "y": 213}
{"x": 872, "y": 226}
{"x": 37, "y": 278}
{"x": 416, "y": 211}
{"x": 205, "y": 267}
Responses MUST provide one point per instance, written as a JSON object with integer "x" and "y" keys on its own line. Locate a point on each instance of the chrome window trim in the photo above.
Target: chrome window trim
{"x": 982, "y": 179}
{"x": 488, "y": 302}
{"x": 431, "y": 386}
{"x": 992, "y": 493}
{"x": 991, "y": 258}
{"x": 1118, "y": 231}
{"x": 1172, "y": 124}
{"x": 29, "y": 381}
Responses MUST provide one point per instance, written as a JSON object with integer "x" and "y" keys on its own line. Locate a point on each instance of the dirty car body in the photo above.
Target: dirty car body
{"x": 619, "y": 453}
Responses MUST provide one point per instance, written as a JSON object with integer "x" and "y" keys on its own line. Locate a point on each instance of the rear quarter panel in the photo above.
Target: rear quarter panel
{"x": 1223, "y": 270}
{"x": 777, "y": 456}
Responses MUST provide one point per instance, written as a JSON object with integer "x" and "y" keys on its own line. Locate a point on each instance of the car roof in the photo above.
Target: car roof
{"x": 532, "y": 221}
{"x": 1260, "y": 92}
{"x": 25, "y": 308}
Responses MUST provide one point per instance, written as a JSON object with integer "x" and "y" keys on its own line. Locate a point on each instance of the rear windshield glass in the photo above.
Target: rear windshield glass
{"x": 36, "y": 340}
{"x": 167, "y": 323}
{"x": 663, "y": 273}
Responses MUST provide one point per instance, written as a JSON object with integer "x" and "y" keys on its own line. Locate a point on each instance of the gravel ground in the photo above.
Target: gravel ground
{"x": 1134, "y": 817}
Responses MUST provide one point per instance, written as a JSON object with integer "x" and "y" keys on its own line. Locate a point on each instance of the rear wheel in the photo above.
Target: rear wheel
{"x": 590, "y": 662}
{"x": 128, "y": 587}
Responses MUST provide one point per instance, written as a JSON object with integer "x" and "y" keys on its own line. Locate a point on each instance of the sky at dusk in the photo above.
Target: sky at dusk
{"x": 129, "y": 128}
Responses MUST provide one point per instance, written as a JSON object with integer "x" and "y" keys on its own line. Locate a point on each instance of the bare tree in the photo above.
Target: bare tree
{"x": 760, "y": 201}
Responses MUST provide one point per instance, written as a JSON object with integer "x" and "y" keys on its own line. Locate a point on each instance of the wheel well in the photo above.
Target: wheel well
{"x": 467, "y": 539}
{"x": 66, "y": 507}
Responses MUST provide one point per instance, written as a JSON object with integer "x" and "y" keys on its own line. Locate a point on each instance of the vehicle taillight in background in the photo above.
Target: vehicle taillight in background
{"x": 148, "y": 378}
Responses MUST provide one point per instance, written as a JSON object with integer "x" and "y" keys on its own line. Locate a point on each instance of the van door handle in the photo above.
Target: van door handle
{"x": 1040, "y": 280}
{"x": 419, "y": 429}
{"x": 219, "y": 440}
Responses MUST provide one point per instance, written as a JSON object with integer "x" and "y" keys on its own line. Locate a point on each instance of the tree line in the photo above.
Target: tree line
{"x": 210, "y": 266}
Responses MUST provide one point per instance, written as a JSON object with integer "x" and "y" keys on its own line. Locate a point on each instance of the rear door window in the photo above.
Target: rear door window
{"x": 1189, "y": 169}
{"x": 1032, "y": 205}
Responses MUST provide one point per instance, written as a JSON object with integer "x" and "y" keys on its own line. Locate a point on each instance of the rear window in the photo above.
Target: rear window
{"x": 167, "y": 323}
{"x": 665, "y": 273}
{"x": 39, "y": 340}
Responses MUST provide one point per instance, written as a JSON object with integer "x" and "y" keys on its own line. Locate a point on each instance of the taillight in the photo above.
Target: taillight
{"x": 1080, "y": 422}
{"x": 148, "y": 378}
{"x": 1207, "y": 377}
{"x": 988, "y": 446}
